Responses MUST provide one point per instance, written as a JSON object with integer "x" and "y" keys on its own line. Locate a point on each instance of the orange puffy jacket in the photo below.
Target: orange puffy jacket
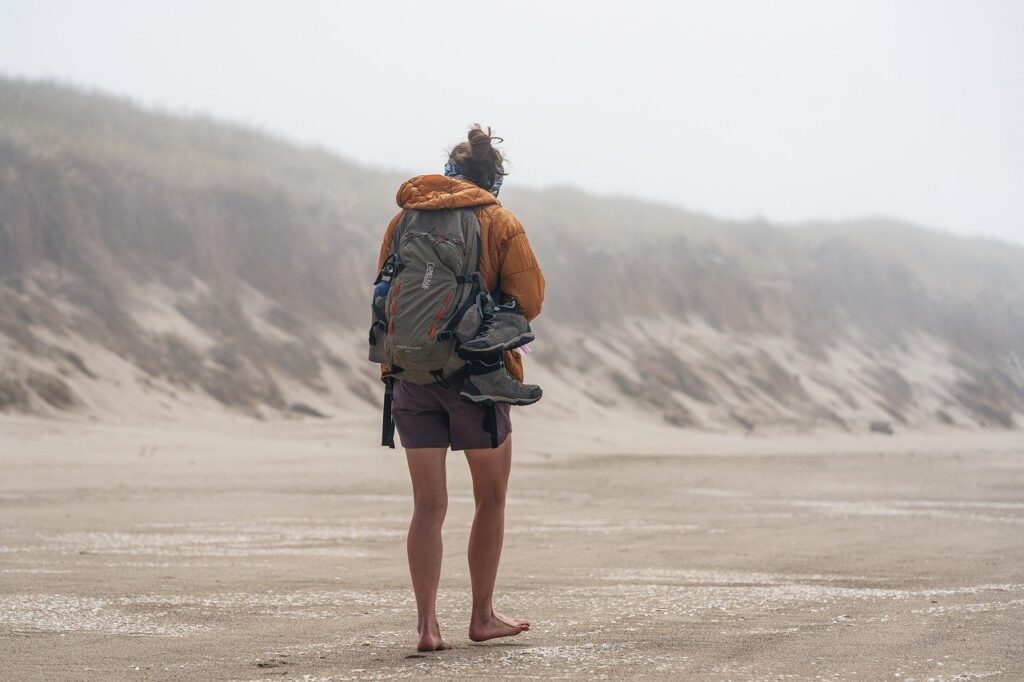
{"x": 507, "y": 262}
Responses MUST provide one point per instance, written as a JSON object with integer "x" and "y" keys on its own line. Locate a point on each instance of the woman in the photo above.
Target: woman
{"x": 432, "y": 419}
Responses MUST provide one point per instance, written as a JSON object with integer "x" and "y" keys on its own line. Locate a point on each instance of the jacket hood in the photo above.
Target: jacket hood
{"x": 436, "y": 192}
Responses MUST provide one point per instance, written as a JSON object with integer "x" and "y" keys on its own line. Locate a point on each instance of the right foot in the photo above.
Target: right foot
{"x": 497, "y": 625}
{"x": 525, "y": 624}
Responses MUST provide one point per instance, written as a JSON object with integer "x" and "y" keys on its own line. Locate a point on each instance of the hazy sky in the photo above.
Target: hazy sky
{"x": 787, "y": 110}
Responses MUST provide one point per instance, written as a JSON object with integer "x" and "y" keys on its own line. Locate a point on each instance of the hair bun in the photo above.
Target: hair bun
{"x": 478, "y": 161}
{"x": 479, "y": 141}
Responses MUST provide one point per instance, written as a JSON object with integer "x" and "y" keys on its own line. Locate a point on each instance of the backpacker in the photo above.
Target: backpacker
{"x": 427, "y": 297}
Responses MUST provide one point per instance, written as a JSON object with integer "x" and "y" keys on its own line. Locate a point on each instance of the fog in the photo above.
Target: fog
{"x": 786, "y": 110}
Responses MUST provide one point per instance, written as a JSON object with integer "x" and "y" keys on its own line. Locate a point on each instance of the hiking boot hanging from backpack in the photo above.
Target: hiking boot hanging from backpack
{"x": 490, "y": 382}
{"x": 503, "y": 328}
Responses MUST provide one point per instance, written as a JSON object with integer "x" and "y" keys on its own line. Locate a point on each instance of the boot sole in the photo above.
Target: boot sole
{"x": 477, "y": 399}
{"x": 512, "y": 344}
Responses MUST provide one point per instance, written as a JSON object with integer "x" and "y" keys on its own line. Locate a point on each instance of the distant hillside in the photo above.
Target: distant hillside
{"x": 153, "y": 264}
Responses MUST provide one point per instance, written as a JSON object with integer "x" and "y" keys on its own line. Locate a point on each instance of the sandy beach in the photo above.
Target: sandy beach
{"x": 241, "y": 550}
{"x": 768, "y": 259}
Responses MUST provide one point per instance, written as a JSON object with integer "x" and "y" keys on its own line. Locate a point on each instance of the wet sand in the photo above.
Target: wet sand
{"x": 260, "y": 551}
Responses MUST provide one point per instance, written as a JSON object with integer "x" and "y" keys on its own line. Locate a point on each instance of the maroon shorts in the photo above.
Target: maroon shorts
{"x": 437, "y": 417}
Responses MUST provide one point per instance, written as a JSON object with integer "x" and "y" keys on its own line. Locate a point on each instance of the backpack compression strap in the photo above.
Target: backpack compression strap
{"x": 387, "y": 436}
{"x": 491, "y": 424}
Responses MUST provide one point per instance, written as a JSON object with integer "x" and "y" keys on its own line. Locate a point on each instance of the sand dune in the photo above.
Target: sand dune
{"x": 171, "y": 267}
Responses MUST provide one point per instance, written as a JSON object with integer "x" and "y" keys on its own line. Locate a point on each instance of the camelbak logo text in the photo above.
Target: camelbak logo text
{"x": 428, "y": 276}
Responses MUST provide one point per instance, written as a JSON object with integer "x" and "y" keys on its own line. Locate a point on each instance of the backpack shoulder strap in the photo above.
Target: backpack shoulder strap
{"x": 471, "y": 233}
{"x": 403, "y": 223}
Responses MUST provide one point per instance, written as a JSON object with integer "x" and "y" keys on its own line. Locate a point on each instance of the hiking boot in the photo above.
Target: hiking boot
{"x": 503, "y": 328}
{"x": 493, "y": 384}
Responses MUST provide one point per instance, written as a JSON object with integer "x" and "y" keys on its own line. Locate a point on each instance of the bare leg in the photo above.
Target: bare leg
{"x": 490, "y": 469}
{"x": 430, "y": 502}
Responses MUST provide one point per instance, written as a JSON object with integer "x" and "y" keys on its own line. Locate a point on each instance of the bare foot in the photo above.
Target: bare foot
{"x": 524, "y": 624}
{"x": 481, "y": 630}
{"x": 431, "y": 640}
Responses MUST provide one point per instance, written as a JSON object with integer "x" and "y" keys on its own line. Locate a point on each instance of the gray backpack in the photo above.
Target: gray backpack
{"x": 428, "y": 296}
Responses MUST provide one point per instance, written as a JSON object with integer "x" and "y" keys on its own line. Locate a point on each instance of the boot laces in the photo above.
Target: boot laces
{"x": 488, "y": 322}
